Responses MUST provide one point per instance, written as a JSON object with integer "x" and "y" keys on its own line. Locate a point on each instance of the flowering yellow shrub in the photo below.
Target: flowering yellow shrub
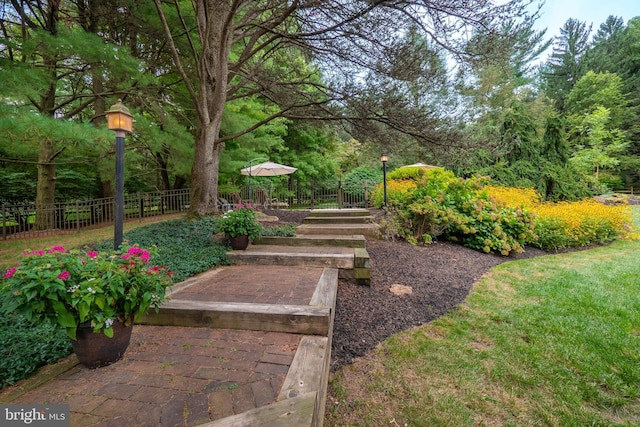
{"x": 397, "y": 191}
{"x": 567, "y": 224}
{"x": 513, "y": 197}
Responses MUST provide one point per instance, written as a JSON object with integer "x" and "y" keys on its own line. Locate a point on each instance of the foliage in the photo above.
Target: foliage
{"x": 568, "y": 224}
{"x": 413, "y": 173}
{"x": 287, "y": 230}
{"x": 354, "y": 181}
{"x": 398, "y": 191}
{"x": 184, "y": 246}
{"x": 239, "y": 222}
{"x": 74, "y": 287}
{"x": 441, "y": 204}
{"x": 24, "y": 347}
{"x": 574, "y": 224}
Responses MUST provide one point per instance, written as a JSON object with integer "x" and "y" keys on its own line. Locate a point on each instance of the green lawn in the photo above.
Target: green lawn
{"x": 553, "y": 340}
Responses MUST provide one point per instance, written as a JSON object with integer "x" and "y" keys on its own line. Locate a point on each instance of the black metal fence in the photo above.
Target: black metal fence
{"x": 25, "y": 221}
{"x": 315, "y": 195}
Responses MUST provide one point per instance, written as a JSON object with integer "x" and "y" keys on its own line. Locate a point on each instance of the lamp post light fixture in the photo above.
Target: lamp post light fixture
{"x": 384, "y": 158}
{"x": 121, "y": 121}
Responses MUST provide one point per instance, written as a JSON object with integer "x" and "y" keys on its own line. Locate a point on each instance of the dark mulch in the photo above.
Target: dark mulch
{"x": 440, "y": 275}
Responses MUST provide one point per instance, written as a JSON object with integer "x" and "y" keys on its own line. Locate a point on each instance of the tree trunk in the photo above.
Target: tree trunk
{"x": 46, "y": 189}
{"x": 215, "y": 23}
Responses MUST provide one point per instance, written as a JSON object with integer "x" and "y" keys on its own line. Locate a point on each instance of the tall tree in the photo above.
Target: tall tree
{"x": 564, "y": 67}
{"x": 233, "y": 39}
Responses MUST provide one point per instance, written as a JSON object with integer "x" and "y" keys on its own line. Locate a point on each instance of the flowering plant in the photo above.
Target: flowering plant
{"x": 242, "y": 221}
{"x": 74, "y": 287}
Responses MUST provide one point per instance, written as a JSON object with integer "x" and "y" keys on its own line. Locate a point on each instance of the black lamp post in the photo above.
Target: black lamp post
{"x": 121, "y": 121}
{"x": 384, "y": 158}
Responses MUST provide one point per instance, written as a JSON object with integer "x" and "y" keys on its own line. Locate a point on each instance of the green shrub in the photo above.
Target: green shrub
{"x": 413, "y": 173}
{"x": 442, "y": 205}
{"x": 354, "y": 181}
{"x": 288, "y": 230}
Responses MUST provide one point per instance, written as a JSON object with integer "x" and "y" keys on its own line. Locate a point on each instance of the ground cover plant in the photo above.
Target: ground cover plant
{"x": 185, "y": 247}
{"x": 550, "y": 340}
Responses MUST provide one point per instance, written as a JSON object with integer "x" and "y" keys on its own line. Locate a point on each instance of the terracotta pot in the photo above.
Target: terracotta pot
{"x": 239, "y": 243}
{"x": 96, "y": 349}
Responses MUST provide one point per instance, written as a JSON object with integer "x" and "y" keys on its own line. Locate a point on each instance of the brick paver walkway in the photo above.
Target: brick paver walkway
{"x": 255, "y": 284}
{"x": 173, "y": 376}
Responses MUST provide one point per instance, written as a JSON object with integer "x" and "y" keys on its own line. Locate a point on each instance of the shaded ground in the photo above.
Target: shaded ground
{"x": 440, "y": 276}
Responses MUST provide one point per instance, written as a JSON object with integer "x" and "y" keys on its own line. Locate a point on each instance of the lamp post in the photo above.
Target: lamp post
{"x": 384, "y": 158}
{"x": 121, "y": 121}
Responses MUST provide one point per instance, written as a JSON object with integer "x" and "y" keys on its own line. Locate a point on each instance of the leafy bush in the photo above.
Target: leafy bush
{"x": 354, "y": 181}
{"x": 574, "y": 224}
{"x": 397, "y": 192}
{"x": 288, "y": 230}
{"x": 413, "y": 173}
{"x": 440, "y": 204}
{"x": 568, "y": 224}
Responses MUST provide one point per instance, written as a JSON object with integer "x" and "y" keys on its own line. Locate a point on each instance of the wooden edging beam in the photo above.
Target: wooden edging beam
{"x": 297, "y": 319}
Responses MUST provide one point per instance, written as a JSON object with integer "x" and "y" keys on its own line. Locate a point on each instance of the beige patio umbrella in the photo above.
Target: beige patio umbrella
{"x": 419, "y": 165}
{"x": 266, "y": 169}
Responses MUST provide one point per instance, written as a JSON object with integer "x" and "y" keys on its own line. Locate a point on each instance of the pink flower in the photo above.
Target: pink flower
{"x": 92, "y": 254}
{"x": 64, "y": 275}
{"x": 10, "y": 272}
{"x": 57, "y": 249}
{"x": 31, "y": 253}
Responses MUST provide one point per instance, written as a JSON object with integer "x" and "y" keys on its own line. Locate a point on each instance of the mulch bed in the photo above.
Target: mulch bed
{"x": 440, "y": 276}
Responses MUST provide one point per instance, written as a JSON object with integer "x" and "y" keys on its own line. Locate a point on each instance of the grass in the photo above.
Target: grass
{"x": 552, "y": 341}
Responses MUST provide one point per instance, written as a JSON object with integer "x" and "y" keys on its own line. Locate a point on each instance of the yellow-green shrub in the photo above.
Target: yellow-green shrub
{"x": 568, "y": 224}
{"x": 397, "y": 192}
{"x": 440, "y": 204}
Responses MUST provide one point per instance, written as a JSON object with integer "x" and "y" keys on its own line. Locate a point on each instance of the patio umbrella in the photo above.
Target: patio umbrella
{"x": 419, "y": 165}
{"x": 266, "y": 169}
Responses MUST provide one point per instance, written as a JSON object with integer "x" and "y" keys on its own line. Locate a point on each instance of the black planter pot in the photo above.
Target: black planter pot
{"x": 95, "y": 350}
{"x": 239, "y": 243}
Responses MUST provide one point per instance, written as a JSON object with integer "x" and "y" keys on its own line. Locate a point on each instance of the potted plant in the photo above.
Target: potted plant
{"x": 94, "y": 296}
{"x": 240, "y": 226}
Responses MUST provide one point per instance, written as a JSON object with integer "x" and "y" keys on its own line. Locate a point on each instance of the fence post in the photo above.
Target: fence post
{"x": 4, "y": 223}
{"x": 141, "y": 201}
{"x": 365, "y": 185}
{"x": 77, "y": 216}
{"x": 340, "y": 201}
{"x": 312, "y": 194}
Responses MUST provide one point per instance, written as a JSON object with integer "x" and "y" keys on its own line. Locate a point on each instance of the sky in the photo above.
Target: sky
{"x": 556, "y": 12}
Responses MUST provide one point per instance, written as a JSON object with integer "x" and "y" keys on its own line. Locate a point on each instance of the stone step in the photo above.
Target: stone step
{"x": 348, "y": 241}
{"x": 338, "y": 219}
{"x": 368, "y": 230}
{"x": 331, "y": 257}
{"x": 339, "y": 212}
{"x": 316, "y": 318}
